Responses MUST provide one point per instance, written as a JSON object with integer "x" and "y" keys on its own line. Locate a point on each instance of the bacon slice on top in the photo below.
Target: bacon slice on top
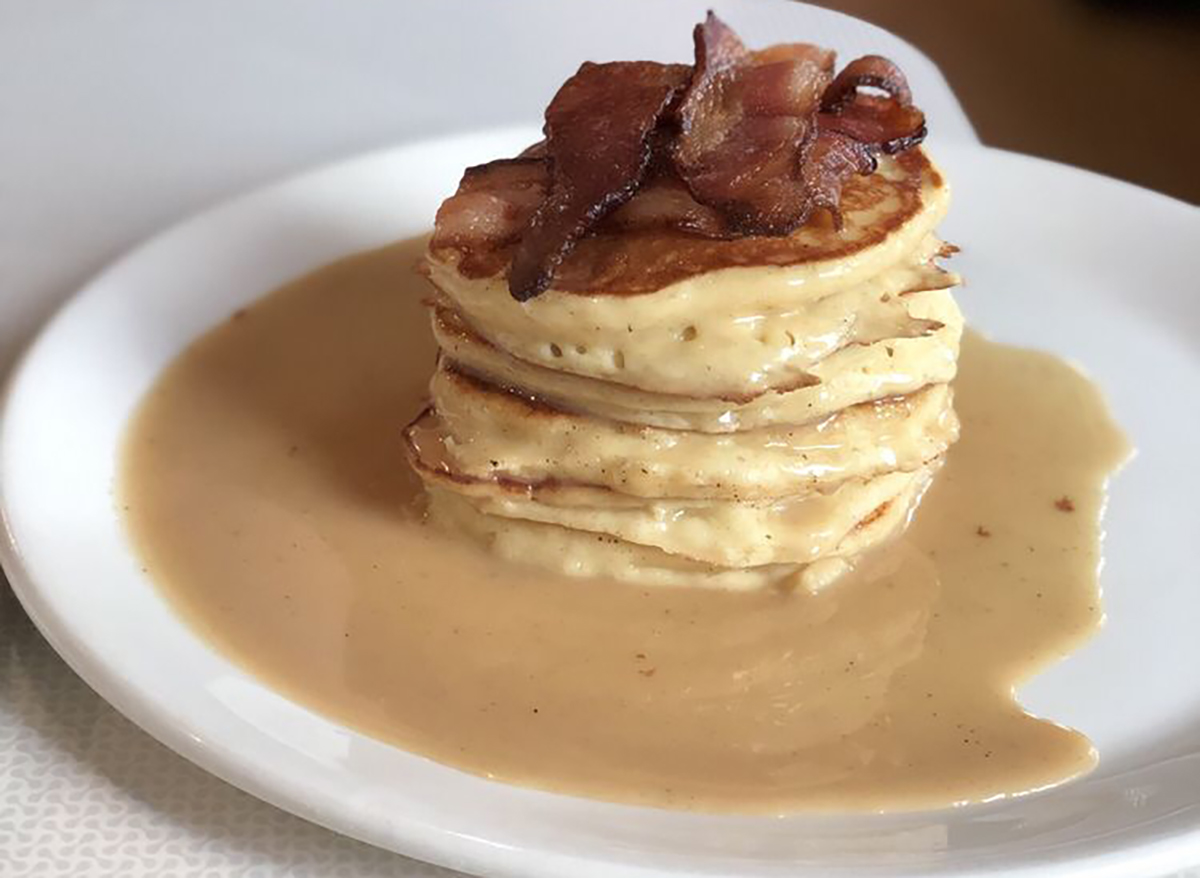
{"x": 852, "y": 127}
{"x": 493, "y": 203}
{"x": 598, "y": 142}
{"x": 745, "y": 121}
{"x": 742, "y": 144}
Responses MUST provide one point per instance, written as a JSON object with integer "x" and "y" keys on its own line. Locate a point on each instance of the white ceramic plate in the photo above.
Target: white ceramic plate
{"x": 1058, "y": 258}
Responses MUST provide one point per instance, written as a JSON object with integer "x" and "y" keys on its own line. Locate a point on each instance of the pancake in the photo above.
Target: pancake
{"x": 580, "y": 553}
{"x": 904, "y": 197}
{"x": 855, "y": 374}
{"x": 740, "y": 353}
{"x": 727, "y": 332}
{"x": 849, "y": 518}
{"x": 477, "y": 432}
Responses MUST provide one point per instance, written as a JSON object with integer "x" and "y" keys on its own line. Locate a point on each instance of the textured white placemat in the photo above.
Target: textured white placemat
{"x": 121, "y": 117}
{"x": 84, "y": 792}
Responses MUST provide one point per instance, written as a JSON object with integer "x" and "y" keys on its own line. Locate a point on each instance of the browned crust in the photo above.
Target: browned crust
{"x": 874, "y": 515}
{"x": 933, "y": 278}
{"x": 537, "y": 407}
{"x": 624, "y": 264}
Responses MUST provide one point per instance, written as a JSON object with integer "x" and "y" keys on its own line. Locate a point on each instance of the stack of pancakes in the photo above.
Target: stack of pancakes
{"x": 682, "y": 410}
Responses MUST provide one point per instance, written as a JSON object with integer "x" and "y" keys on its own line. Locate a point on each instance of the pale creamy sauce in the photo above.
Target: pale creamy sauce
{"x": 265, "y": 487}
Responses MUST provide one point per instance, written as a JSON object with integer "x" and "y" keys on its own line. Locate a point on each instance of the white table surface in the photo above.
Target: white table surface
{"x": 120, "y": 117}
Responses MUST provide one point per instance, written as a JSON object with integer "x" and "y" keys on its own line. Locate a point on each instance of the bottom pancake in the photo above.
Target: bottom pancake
{"x": 580, "y": 553}
{"x": 794, "y": 530}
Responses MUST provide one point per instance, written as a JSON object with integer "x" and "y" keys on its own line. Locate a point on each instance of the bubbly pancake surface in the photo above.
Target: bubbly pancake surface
{"x": 854, "y": 374}
{"x": 264, "y": 487}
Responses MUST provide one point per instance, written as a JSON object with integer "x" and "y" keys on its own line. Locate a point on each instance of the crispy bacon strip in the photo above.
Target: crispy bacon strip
{"x": 832, "y": 159}
{"x": 872, "y": 71}
{"x": 890, "y": 124}
{"x": 745, "y": 120}
{"x": 492, "y": 206}
{"x": 742, "y": 144}
{"x": 597, "y": 139}
{"x": 665, "y": 203}
{"x": 496, "y": 201}
{"x": 853, "y": 127}
{"x": 767, "y": 137}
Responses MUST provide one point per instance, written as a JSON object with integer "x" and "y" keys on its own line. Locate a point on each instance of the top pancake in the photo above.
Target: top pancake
{"x": 732, "y": 331}
{"x": 618, "y": 263}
